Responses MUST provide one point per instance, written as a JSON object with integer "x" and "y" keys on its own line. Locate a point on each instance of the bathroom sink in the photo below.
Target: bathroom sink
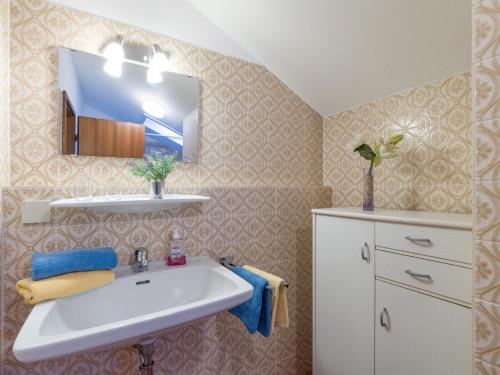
{"x": 135, "y": 305}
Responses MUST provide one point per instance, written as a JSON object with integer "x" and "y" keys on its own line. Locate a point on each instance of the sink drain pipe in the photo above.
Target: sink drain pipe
{"x": 146, "y": 349}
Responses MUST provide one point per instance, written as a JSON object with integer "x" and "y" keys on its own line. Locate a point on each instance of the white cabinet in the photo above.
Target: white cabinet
{"x": 418, "y": 334}
{"x": 392, "y": 293}
{"x": 344, "y": 306}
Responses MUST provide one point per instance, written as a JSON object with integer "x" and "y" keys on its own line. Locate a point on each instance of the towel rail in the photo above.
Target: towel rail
{"x": 228, "y": 262}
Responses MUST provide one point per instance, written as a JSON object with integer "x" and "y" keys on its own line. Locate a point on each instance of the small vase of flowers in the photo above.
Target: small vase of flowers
{"x": 382, "y": 149}
{"x": 154, "y": 168}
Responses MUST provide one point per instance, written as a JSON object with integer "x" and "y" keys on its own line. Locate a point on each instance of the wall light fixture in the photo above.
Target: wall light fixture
{"x": 114, "y": 54}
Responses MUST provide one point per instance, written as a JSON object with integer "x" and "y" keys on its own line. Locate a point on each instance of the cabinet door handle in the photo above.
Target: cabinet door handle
{"x": 419, "y": 275}
{"x": 424, "y": 240}
{"x": 365, "y": 252}
{"x": 383, "y": 322}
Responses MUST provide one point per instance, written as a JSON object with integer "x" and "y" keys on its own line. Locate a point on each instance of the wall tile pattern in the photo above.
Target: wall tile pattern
{"x": 254, "y": 130}
{"x": 4, "y": 90}
{"x": 486, "y": 70}
{"x": 260, "y": 161}
{"x": 484, "y": 368}
{"x": 4, "y": 120}
{"x": 434, "y": 169}
{"x": 266, "y": 227}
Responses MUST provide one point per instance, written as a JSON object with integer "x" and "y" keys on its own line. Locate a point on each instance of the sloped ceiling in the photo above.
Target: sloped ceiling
{"x": 339, "y": 53}
{"x": 333, "y": 53}
{"x": 176, "y": 18}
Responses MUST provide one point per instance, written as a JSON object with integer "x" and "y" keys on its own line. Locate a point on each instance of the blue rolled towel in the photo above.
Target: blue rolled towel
{"x": 250, "y": 311}
{"x": 45, "y": 265}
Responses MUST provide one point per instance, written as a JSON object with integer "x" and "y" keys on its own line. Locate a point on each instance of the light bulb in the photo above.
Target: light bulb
{"x": 114, "y": 50}
{"x": 153, "y": 108}
{"x": 154, "y": 76}
{"x": 159, "y": 61}
{"x": 113, "y": 68}
{"x": 114, "y": 55}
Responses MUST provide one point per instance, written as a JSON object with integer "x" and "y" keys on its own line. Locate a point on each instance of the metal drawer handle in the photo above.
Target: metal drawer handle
{"x": 419, "y": 275}
{"x": 383, "y": 322}
{"x": 365, "y": 252}
{"x": 425, "y": 240}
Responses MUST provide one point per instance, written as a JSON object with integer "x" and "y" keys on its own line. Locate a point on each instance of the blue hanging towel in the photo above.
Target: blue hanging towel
{"x": 45, "y": 265}
{"x": 250, "y": 311}
{"x": 266, "y": 313}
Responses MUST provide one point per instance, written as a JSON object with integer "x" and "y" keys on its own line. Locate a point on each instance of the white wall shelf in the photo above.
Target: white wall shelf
{"x": 136, "y": 203}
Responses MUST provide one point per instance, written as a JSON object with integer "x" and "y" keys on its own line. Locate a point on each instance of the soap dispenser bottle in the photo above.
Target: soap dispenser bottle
{"x": 177, "y": 256}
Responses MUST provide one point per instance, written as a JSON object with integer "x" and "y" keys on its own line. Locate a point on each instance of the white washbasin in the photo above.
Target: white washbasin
{"x": 126, "y": 310}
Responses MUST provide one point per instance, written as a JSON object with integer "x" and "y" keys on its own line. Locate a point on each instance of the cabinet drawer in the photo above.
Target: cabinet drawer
{"x": 452, "y": 244}
{"x": 445, "y": 279}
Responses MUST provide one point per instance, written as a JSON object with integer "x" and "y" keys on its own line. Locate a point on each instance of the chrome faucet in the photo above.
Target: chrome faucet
{"x": 140, "y": 260}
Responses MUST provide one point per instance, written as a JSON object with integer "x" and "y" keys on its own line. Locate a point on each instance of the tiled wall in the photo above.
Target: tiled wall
{"x": 267, "y": 227}
{"x": 433, "y": 170}
{"x": 260, "y": 162}
{"x": 4, "y": 111}
{"x": 486, "y": 70}
{"x": 254, "y": 130}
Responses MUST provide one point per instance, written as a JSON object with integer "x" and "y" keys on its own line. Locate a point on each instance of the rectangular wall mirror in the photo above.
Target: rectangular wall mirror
{"x": 125, "y": 116}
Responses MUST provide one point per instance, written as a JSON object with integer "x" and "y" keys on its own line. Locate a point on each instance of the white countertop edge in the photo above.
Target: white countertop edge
{"x": 436, "y": 219}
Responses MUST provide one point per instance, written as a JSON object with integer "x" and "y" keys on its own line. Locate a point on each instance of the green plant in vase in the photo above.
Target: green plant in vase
{"x": 155, "y": 168}
{"x": 382, "y": 149}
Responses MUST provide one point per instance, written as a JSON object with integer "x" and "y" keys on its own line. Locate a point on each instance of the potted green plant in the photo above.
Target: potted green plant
{"x": 382, "y": 149}
{"x": 154, "y": 168}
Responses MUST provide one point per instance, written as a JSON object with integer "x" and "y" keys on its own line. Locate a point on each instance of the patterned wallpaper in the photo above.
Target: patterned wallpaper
{"x": 260, "y": 162}
{"x": 433, "y": 171}
{"x": 486, "y": 70}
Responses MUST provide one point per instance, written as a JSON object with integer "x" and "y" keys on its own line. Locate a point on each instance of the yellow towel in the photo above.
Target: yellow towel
{"x": 63, "y": 285}
{"x": 279, "y": 315}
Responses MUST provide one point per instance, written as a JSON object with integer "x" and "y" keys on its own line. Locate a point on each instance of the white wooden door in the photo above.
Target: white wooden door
{"x": 421, "y": 334}
{"x": 343, "y": 296}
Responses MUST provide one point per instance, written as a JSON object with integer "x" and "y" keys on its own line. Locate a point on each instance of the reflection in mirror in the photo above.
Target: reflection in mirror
{"x": 125, "y": 116}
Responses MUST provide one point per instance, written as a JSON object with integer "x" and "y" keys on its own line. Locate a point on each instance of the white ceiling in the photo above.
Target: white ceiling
{"x": 333, "y": 53}
{"x": 176, "y": 18}
{"x": 339, "y": 53}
